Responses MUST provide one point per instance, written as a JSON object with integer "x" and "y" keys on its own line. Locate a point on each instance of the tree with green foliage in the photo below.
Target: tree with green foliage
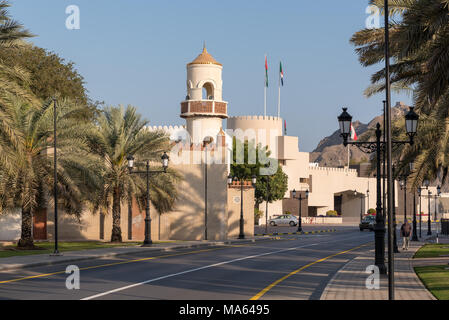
{"x": 11, "y": 31}
{"x": 276, "y": 186}
{"x": 247, "y": 158}
{"x": 260, "y": 156}
{"x": 49, "y": 74}
{"x": 120, "y": 132}
{"x": 26, "y": 137}
{"x": 418, "y": 45}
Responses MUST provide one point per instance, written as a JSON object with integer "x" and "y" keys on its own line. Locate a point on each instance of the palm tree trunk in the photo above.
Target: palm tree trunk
{"x": 116, "y": 229}
{"x": 26, "y": 237}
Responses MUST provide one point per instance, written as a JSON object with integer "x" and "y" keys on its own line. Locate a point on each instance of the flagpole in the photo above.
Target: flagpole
{"x": 279, "y": 97}
{"x": 265, "y": 100}
{"x": 265, "y": 89}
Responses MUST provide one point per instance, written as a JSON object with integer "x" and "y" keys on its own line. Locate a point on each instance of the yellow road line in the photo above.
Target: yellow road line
{"x": 119, "y": 263}
{"x": 271, "y": 286}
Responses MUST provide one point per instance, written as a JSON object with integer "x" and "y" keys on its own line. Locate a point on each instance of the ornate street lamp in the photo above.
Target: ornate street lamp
{"x": 411, "y": 126}
{"x": 300, "y": 198}
{"x": 206, "y": 142}
{"x": 411, "y": 123}
{"x": 242, "y": 221}
{"x": 164, "y": 160}
{"x": 438, "y": 194}
{"x": 420, "y": 211}
{"x": 55, "y": 181}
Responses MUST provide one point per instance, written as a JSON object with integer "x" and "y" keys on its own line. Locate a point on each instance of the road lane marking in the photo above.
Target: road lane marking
{"x": 134, "y": 260}
{"x": 119, "y": 263}
{"x": 271, "y": 286}
{"x": 194, "y": 270}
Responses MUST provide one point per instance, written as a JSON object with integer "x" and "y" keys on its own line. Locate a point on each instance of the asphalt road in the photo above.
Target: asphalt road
{"x": 295, "y": 267}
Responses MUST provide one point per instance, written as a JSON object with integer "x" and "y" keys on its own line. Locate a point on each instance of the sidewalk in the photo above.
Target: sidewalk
{"x": 349, "y": 282}
{"x": 29, "y": 261}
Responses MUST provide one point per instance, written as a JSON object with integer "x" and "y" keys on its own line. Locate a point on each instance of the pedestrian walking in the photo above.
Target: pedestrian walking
{"x": 406, "y": 231}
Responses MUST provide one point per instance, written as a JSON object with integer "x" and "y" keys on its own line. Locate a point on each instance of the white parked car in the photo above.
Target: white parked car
{"x": 284, "y": 220}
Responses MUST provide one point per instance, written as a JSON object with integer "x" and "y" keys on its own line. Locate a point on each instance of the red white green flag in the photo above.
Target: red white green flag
{"x": 281, "y": 74}
{"x": 266, "y": 72}
{"x": 353, "y": 134}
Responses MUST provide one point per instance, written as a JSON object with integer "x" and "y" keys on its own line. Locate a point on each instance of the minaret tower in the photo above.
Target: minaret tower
{"x": 204, "y": 108}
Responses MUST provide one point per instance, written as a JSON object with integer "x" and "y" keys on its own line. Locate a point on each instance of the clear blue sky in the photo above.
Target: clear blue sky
{"x": 135, "y": 52}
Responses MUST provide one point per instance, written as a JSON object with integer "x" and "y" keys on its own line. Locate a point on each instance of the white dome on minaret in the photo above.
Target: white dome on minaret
{"x": 204, "y": 108}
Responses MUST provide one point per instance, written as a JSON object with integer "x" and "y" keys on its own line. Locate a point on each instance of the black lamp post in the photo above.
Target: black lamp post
{"x": 266, "y": 205}
{"x": 368, "y": 206}
{"x": 411, "y": 126}
{"x": 206, "y": 142}
{"x": 147, "y": 172}
{"x": 415, "y": 232}
{"x": 429, "y": 215}
{"x": 420, "y": 212}
{"x": 438, "y": 194}
{"x": 404, "y": 188}
{"x": 241, "y": 179}
{"x": 393, "y": 192}
{"x": 55, "y": 178}
{"x": 300, "y": 198}
{"x": 362, "y": 198}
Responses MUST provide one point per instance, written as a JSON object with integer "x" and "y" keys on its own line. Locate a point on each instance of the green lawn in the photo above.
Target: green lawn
{"x": 432, "y": 251}
{"x": 47, "y": 247}
{"x": 436, "y": 280}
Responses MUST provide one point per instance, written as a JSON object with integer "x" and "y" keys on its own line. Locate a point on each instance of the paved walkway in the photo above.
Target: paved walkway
{"x": 349, "y": 282}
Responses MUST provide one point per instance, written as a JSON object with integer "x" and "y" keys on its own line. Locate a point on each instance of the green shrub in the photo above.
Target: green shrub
{"x": 371, "y": 212}
{"x": 331, "y": 213}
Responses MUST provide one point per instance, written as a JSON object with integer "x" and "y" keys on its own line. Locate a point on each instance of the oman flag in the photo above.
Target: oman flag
{"x": 281, "y": 74}
{"x": 353, "y": 133}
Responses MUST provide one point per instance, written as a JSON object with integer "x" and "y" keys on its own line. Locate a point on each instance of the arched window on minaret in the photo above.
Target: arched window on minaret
{"x": 208, "y": 91}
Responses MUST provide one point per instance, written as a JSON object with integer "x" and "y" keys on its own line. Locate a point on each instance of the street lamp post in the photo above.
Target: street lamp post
{"x": 266, "y": 205}
{"x": 429, "y": 215}
{"x": 438, "y": 194}
{"x": 362, "y": 200}
{"x": 368, "y": 205}
{"x": 242, "y": 221}
{"x": 393, "y": 192}
{"x": 300, "y": 198}
{"x": 404, "y": 187}
{"x": 420, "y": 212}
{"x": 415, "y": 232}
{"x": 206, "y": 142}
{"x": 147, "y": 172}
{"x": 55, "y": 178}
{"x": 411, "y": 126}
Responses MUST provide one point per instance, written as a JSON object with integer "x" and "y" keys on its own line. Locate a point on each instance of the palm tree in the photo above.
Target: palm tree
{"x": 11, "y": 31}
{"x": 28, "y": 151}
{"x": 419, "y": 45}
{"x": 121, "y": 132}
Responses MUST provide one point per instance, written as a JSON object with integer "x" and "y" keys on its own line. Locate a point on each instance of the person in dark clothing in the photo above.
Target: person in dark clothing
{"x": 406, "y": 231}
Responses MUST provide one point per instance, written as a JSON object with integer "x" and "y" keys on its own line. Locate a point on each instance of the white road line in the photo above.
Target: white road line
{"x": 194, "y": 270}
{"x": 207, "y": 267}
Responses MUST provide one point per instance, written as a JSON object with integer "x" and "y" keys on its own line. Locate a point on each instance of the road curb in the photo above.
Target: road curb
{"x": 61, "y": 259}
{"x": 296, "y": 233}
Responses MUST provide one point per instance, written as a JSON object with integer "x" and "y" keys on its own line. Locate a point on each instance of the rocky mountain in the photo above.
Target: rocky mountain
{"x": 330, "y": 152}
